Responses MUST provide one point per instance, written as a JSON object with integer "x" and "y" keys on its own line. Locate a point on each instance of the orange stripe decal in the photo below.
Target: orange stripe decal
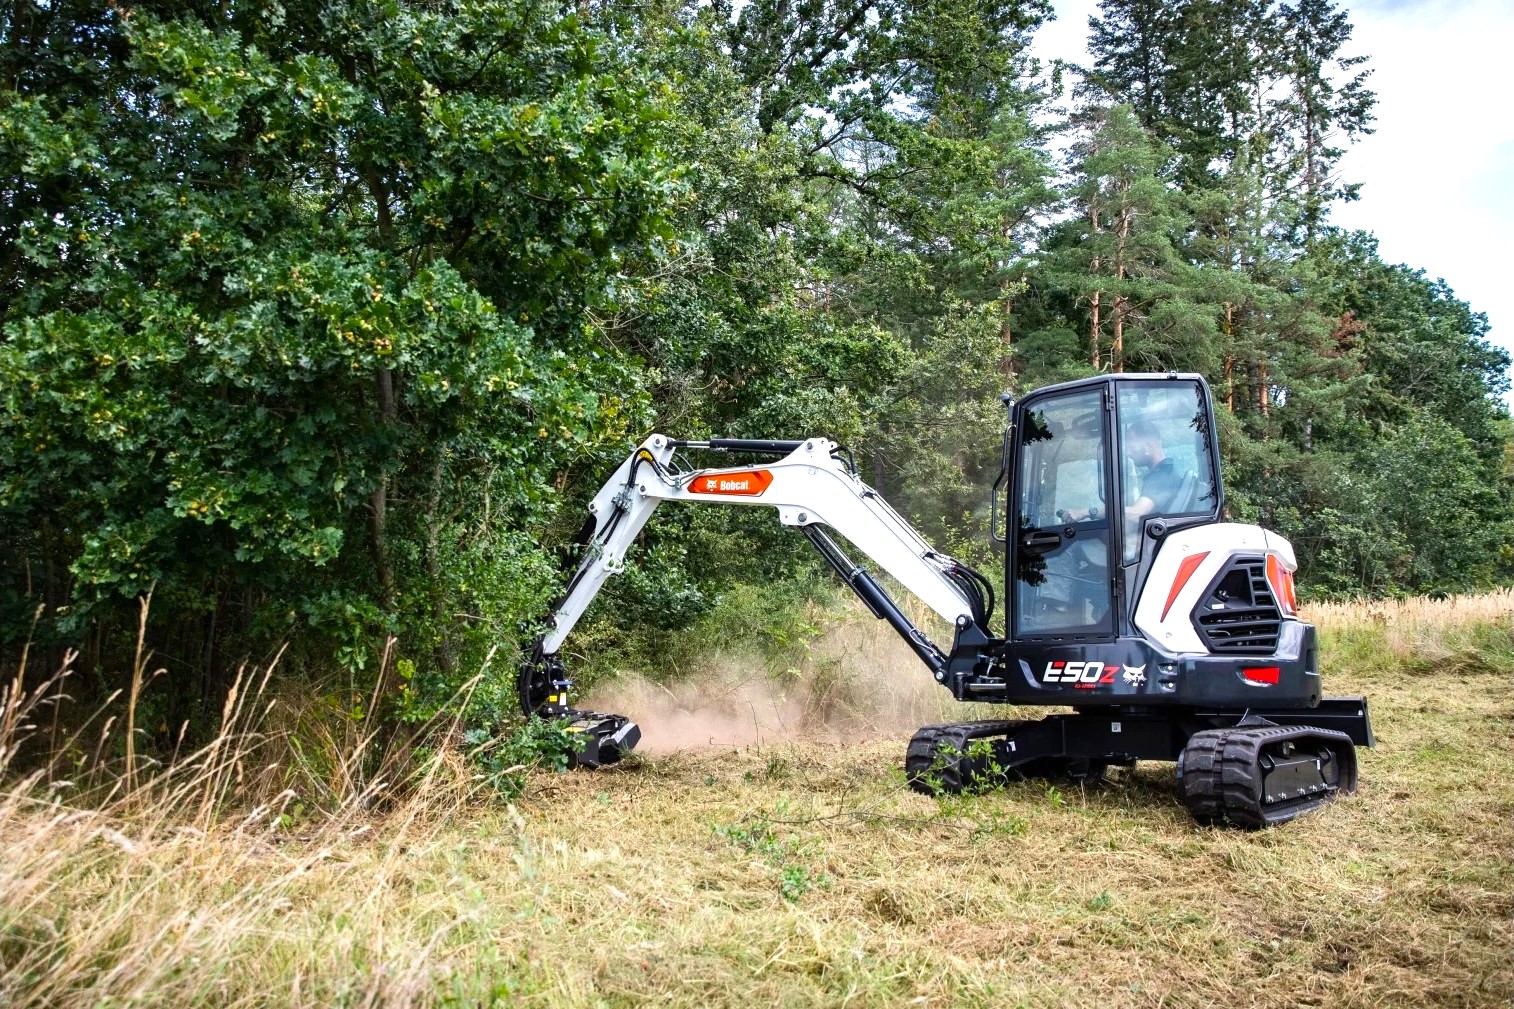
{"x": 1185, "y": 571}
{"x": 744, "y": 483}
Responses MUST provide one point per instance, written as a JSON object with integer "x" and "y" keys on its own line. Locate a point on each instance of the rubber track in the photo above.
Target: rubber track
{"x": 932, "y": 776}
{"x": 1221, "y": 774}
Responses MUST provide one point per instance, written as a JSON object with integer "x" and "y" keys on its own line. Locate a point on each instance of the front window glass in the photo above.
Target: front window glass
{"x": 1165, "y": 455}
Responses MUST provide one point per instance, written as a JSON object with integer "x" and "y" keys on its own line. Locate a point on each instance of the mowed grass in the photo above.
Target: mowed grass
{"x": 801, "y": 873}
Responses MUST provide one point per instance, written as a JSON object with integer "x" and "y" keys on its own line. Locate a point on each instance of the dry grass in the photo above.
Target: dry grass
{"x": 1405, "y": 622}
{"x": 799, "y": 872}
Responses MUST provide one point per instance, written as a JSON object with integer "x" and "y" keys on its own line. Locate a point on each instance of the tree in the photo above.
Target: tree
{"x": 322, "y": 340}
{"x": 1324, "y": 101}
{"x": 1115, "y": 253}
{"x": 1226, "y": 81}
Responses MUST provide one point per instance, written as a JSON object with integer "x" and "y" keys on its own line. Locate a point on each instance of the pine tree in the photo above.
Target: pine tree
{"x": 1116, "y": 251}
{"x": 1315, "y": 113}
{"x": 1187, "y": 68}
{"x": 1221, "y": 79}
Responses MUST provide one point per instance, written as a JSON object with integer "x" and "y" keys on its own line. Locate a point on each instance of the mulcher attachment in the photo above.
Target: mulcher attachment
{"x": 543, "y": 688}
{"x": 606, "y": 738}
{"x": 1259, "y": 775}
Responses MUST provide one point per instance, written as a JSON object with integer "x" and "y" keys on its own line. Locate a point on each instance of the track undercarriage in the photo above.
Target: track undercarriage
{"x": 1254, "y": 773}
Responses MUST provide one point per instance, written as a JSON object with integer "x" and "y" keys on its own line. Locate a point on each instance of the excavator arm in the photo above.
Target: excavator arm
{"x": 813, "y": 485}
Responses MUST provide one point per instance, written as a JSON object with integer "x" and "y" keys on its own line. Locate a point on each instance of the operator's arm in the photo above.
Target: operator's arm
{"x": 1133, "y": 513}
{"x": 1161, "y": 481}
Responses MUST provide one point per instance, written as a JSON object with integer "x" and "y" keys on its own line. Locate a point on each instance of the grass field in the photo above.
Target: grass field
{"x": 789, "y": 868}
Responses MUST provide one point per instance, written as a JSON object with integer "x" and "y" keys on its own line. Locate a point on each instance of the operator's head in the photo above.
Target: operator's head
{"x": 1144, "y": 444}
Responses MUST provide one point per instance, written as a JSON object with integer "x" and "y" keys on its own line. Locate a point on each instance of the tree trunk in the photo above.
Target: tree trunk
{"x": 1117, "y": 345}
{"x": 1093, "y": 328}
{"x": 1229, "y": 331}
{"x": 445, "y": 645}
{"x": 1121, "y": 303}
{"x": 378, "y": 501}
{"x": 1094, "y": 323}
{"x": 1006, "y": 335}
{"x": 210, "y": 678}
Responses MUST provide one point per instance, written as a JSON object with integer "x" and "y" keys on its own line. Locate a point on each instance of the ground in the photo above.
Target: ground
{"x": 678, "y": 868}
{"x": 802, "y": 873}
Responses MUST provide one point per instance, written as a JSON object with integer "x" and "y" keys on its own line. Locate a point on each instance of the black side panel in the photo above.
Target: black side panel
{"x": 1111, "y": 737}
{"x": 1130, "y": 671}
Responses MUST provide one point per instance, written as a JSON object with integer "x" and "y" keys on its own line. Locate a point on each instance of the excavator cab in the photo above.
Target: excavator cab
{"x": 1172, "y": 634}
{"x": 1102, "y": 470}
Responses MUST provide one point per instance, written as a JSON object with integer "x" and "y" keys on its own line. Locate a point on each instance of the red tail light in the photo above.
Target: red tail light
{"x": 1266, "y": 674}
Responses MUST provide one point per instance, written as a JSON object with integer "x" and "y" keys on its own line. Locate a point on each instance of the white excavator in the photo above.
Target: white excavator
{"x": 1172, "y": 634}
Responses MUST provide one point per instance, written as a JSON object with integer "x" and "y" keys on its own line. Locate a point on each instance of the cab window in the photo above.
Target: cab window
{"x": 1166, "y": 455}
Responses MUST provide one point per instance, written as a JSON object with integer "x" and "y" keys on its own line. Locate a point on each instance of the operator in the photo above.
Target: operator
{"x": 1159, "y": 485}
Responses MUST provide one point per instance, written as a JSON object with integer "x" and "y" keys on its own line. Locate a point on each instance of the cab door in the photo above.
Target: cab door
{"x": 1060, "y": 564}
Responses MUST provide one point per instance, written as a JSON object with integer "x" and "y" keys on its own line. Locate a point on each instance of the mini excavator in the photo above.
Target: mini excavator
{"x": 1172, "y": 634}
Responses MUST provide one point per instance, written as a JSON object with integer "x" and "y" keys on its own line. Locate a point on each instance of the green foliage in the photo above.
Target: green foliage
{"x": 504, "y": 760}
{"x": 783, "y": 855}
{"x": 325, "y": 318}
{"x": 324, "y": 343}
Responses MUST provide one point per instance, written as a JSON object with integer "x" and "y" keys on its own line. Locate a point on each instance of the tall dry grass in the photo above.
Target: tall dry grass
{"x": 1450, "y": 635}
{"x": 243, "y": 872}
{"x": 1418, "y": 616}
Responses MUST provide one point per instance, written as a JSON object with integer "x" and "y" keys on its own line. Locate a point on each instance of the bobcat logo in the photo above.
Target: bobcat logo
{"x": 1135, "y": 675}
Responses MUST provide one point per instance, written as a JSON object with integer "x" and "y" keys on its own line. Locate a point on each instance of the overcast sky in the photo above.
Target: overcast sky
{"x": 1438, "y": 174}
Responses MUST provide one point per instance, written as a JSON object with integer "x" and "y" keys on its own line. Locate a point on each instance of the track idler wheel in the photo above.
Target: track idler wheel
{"x": 1262, "y": 775}
{"x": 941, "y": 758}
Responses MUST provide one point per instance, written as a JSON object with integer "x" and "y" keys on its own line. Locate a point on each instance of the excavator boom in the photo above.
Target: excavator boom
{"x": 812, "y": 485}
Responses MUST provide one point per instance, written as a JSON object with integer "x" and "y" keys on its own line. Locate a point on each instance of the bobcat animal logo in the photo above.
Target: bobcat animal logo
{"x": 1135, "y": 675}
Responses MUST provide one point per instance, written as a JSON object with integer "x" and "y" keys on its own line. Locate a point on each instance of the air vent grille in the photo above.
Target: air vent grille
{"x": 1239, "y": 615}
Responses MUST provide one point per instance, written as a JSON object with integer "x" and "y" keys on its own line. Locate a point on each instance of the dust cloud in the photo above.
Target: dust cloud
{"x": 858, "y": 681}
